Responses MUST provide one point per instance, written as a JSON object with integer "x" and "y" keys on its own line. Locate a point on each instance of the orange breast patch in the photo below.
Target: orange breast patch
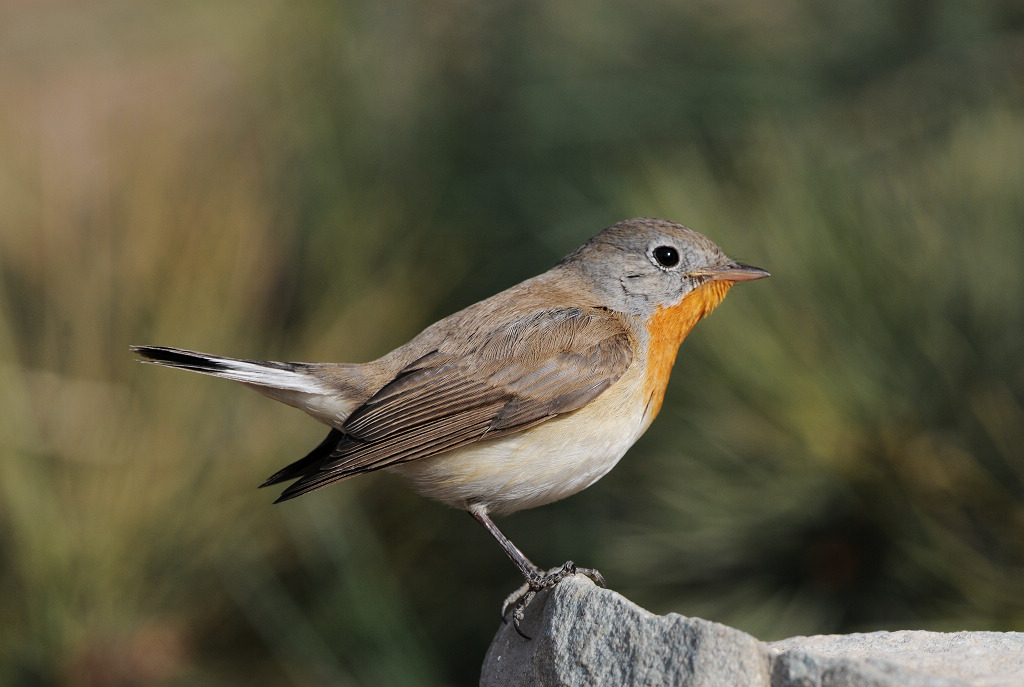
{"x": 667, "y": 328}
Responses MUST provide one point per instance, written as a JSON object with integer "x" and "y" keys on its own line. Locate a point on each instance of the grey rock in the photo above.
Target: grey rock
{"x": 584, "y": 635}
{"x": 934, "y": 659}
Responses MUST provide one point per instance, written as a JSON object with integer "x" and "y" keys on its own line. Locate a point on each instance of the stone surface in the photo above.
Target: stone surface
{"x": 979, "y": 659}
{"x": 584, "y": 635}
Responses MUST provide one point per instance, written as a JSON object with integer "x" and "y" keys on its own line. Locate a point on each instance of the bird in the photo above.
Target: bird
{"x": 516, "y": 401}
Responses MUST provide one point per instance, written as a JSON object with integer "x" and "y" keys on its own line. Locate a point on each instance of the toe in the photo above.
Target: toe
{"x": 594, "y": 575}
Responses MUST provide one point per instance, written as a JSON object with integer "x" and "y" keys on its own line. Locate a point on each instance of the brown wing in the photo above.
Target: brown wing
{"x": 521, "y": 374}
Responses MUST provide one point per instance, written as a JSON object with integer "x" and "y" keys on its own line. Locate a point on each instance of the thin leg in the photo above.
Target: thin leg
{"x": 525, "y": 565}
{"x": 536, "y": 579}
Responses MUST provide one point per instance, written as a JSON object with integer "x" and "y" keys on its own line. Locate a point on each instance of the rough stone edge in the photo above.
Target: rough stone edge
{"x": 561, "y": 613}
{"x": 563, "y": 617}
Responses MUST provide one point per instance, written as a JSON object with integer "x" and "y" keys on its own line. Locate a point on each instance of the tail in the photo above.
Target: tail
{"x": 296, "y": 384}
{"x": 284, "y": 376}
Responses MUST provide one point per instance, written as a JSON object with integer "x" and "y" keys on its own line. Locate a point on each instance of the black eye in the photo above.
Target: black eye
{"x": 667, "y": 256}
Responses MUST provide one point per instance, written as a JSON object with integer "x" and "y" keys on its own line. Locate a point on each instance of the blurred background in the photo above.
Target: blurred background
{"x": 842, "y": 446}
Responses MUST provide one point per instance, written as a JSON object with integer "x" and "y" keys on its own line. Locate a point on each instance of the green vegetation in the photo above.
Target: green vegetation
{"x": 842, "y": 446}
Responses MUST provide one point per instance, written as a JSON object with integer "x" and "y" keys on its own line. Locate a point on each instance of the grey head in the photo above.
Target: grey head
{"x": 640, "y": 265}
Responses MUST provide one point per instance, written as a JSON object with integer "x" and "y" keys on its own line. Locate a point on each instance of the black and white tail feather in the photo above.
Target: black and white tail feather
{"x": 265, "y": 373}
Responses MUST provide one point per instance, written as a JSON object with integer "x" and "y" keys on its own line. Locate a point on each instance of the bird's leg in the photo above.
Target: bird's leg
{"x": 525, "y": 565}
{"x": 536, "y": 578}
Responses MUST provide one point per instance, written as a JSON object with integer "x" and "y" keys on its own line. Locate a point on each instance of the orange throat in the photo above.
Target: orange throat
{"x": 666, "y": 330}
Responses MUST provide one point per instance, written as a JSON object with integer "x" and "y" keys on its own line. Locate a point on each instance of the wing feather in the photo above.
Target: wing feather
{"x": 545, "y": 364}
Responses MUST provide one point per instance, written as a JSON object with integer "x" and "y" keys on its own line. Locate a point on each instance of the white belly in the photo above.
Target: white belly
{"x": 548, "y": 462}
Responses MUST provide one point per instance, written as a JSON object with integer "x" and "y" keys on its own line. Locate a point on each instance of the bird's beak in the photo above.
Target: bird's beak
{"x": 733, "y": 272}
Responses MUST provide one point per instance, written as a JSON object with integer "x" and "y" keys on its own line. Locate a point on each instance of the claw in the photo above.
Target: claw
{"x": 519, "y": 612}
{"x": 595, "y": 576}
{"x": 512, "y": 598}
{"x": 524, "y": 595}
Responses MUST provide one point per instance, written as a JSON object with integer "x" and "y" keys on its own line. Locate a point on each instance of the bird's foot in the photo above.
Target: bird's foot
{"x": 521, "y": 598}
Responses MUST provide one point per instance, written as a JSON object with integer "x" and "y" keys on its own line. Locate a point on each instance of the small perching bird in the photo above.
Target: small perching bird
{"x": 519, "y": 400}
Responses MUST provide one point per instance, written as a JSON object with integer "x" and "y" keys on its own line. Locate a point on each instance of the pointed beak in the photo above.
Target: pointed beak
{"x": 734, "y": 272}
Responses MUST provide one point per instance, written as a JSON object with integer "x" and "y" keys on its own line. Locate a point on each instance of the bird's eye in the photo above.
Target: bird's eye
{"x": 667, "y": 256}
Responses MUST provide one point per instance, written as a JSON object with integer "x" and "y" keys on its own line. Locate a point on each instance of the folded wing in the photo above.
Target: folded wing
{"x": 537, "y": 367}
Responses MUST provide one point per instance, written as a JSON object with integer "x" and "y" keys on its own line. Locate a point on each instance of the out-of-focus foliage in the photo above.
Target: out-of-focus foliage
{"x": 842, "y": 446}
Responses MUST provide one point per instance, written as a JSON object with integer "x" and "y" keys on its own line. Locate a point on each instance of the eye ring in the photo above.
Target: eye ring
{"x": 665, "y": 257}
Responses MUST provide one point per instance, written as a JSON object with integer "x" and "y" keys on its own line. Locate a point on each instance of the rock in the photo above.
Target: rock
{"x": 584, "y": 635}
{"x": 932, "y": 659}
